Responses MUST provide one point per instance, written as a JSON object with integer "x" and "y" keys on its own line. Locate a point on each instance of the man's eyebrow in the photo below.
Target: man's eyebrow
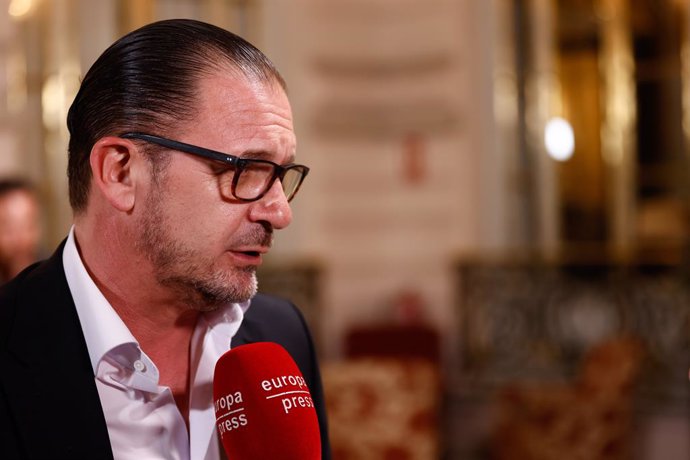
{"x": 264, "y": 155}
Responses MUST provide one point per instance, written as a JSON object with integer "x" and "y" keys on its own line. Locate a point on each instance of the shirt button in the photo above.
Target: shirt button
{"x": 139, "y": 366}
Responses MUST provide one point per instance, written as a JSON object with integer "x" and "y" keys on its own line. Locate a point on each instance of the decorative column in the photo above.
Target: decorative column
{"x": 618, "y": 125}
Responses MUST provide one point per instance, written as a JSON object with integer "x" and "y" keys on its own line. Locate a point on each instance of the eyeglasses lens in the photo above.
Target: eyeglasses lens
{"x": 253, "y": 180}
{"x": 292, "y": 181}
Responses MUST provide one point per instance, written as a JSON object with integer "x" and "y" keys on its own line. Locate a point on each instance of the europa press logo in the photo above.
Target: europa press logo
{"x": 291, "y": 390}
{"x": 264, "y": 409}
{"x": 230, "y": 412}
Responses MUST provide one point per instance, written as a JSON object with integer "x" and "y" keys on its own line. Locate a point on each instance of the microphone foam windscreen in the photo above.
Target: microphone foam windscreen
{"x": 264, "y": 410}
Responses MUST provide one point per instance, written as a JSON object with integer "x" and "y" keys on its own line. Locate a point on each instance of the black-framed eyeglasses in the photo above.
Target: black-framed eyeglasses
{"x": 251, "y": 179}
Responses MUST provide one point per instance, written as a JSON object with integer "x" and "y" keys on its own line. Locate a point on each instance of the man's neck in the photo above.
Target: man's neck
{"x": 160, "y": 321}
{"x": 170, "y": 350}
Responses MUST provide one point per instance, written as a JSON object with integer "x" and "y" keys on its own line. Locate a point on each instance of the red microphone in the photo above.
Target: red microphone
{"x": 264, "y": 410}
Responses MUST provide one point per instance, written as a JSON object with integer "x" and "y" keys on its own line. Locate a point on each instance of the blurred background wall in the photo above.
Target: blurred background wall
{"x": 492, "y": 246}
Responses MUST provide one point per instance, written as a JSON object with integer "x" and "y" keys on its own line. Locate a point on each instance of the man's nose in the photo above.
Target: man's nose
{"x": 273, "y": 208}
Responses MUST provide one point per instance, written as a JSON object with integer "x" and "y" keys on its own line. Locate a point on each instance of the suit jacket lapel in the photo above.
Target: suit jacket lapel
{"x": 250, "y": 330}
{"x": 50, "y": 385}
{"x": 240, "y": 338}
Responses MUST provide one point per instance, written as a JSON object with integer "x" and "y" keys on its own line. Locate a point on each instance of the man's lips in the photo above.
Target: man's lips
{"x": 249, "y": 255}
{"x": 253, "y": 250}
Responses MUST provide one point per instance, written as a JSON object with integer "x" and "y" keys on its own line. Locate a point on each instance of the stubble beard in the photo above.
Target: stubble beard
{"x": 196, "y": 280}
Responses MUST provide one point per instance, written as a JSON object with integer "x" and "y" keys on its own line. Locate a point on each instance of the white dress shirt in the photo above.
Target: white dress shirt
{"x": 142, "y": 417}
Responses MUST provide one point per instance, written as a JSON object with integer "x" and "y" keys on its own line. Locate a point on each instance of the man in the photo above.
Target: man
{"x": 180, "y": 169}
{"x": 20, "y": 227}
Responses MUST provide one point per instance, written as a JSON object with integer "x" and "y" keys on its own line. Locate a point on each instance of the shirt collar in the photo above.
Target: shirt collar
{"x": 103, "y": 329}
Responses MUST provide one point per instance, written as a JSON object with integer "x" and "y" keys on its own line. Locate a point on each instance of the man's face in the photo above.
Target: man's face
{"x": 20, "y": 229}
{"x": 203, "y": 245}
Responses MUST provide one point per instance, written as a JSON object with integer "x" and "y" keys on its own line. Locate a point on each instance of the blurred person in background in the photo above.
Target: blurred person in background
{"x": 20, "y": 227}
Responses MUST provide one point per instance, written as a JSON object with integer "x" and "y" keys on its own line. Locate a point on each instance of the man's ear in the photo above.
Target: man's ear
{"x": 113, "y": 161}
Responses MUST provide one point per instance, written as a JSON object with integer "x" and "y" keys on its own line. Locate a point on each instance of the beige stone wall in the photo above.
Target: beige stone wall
{"x": 386, "y": 110}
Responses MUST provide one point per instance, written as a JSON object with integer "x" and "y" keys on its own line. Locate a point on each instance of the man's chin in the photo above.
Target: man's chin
{"x": 217, "y": 296}
{"x": 216, "y": 292}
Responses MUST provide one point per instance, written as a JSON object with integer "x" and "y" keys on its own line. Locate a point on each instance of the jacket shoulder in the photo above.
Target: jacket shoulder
{"x": 274, "y": 319}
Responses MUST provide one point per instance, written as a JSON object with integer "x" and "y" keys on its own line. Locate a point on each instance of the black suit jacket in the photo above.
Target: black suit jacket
{"x": 49, "y": 405}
